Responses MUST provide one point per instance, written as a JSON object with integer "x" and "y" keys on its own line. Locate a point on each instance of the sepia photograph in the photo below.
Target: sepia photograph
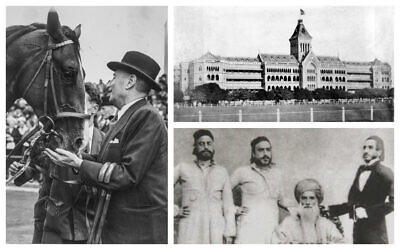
{"x": 283, "y": 186}
{"x": 86, "y": 125}
{"x": 283, "y": 64}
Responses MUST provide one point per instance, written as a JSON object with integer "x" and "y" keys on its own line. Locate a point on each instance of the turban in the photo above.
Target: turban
{"x": 202, "y": 132}
{"x": 308, "y": 185}
{"x": 379, "y": 145}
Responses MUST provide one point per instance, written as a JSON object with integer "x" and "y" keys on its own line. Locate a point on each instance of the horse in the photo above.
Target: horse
{"x": 43, "y": 58}
{"x": 43, "y": 66}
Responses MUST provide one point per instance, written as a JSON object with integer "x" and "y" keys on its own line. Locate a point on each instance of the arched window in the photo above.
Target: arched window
{"x": 212, "y": 77}
{"x": 217, "y": 77}
{"x": 281, "y": 78}
{"x": 273, "y": 78}
{"x": 289, "y": 79}
{"x": 285, "y": 79}
{"x": 208, "y": 77}
{"x": 268, "y": 78}
{"x": 336, "y": 79}
{"x": 323, "y": 78}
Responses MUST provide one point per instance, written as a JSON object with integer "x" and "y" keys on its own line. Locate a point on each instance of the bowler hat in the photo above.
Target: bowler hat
{"x": 138, "y": 63}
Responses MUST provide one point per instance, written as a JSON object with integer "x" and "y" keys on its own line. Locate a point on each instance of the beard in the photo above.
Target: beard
{"x": 204, "y": 155}
{"x": 308, "y": 218}
{"x": 262, "y": 162}
{"x": 367, "y": 158}
{"x": 309, "y": 213}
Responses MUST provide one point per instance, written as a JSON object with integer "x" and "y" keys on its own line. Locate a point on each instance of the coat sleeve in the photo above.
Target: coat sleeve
{"x": 386, "y": 207}
{"x": 143, "y": 137}
{"x": 229, "y": 209}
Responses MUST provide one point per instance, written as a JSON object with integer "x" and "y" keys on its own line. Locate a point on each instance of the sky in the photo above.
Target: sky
{"x": 352, "y": 33}
{"x": 107, "y": 32}
{"x": 326, "y": 155}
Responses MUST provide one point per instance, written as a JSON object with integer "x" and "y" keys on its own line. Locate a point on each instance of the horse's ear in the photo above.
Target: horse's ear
{"x": 77, "y": 31}
{"x": 53, "y": 24}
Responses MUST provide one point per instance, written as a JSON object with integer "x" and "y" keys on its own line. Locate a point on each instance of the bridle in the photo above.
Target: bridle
{"x": 46, "y": 122}
{"x": 48, "y": 60}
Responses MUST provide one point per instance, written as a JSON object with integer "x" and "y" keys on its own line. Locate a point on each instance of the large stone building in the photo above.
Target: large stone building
{"x": 302, "y": 68}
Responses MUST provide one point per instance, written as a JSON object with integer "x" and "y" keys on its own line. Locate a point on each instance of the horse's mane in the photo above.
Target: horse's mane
{"x": 16, "y": 31}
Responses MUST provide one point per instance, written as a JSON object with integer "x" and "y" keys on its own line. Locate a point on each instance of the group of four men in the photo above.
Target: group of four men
{"x": 208, "y": 214}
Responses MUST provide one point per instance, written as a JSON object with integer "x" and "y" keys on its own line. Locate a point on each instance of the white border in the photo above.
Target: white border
{"x": 172, "y": 125}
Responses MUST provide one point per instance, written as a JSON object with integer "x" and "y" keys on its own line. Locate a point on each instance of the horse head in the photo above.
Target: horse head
{"x": 44, "y": 68}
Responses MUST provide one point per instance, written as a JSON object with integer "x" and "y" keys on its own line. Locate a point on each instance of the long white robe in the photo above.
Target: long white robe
{"x": 290, "y": 231}
{"x": 261, "y": 191}
{"x": 207, "y": 193}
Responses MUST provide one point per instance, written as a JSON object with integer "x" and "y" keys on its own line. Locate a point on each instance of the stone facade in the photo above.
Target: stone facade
{"x": 302, "y": 68}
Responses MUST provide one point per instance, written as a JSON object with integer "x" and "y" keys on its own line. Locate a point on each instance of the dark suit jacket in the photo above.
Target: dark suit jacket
{"x": 97, "y": 138}
{"x": 138, "y": 207}
{"x": 378, "y": 188}
{"x": 66, "y": 205}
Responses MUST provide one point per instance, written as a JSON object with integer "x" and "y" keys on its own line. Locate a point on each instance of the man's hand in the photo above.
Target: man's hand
{"x": 228, "y": 240}
{"x": 361, "y": 213}
{"x": 15, "y": 167}
{"x": 183, "y": 212}
{"x": 63, "y": 158}
{"x": 242, "y": 210}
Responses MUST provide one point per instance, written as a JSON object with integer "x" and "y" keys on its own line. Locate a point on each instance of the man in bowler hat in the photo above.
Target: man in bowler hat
{"x": 132, "y": 162}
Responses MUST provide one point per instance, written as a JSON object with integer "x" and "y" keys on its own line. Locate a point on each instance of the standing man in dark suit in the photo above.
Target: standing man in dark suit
{"x": 132, "y": 162}
{"x": 371, "y": 196}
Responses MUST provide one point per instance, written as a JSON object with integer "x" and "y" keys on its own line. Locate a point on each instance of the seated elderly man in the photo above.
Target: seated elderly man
{"x": 307, "y": 226}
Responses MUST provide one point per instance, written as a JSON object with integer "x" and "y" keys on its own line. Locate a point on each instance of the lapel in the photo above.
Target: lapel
{"x": 357, "y": 180}
{"x": 371, "y": 179}
{"x": 120, "y": 124}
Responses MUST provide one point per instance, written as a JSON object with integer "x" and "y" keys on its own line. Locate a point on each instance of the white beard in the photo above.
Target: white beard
{"x": 308, "y": 218}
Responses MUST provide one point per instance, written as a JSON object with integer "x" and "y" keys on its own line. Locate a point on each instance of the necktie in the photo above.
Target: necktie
{"x": 366, "y": 168}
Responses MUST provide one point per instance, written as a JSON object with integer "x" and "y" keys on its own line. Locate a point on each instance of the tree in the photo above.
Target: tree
{"x": 210, "y": 92}
{"x": 178, "y": 95}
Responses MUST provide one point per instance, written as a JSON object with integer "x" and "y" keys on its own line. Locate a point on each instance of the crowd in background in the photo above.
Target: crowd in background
{"x": 20, "y": 118}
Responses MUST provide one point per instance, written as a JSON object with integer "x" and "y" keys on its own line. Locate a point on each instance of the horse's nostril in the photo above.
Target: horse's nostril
{"x": 78, "y": 143}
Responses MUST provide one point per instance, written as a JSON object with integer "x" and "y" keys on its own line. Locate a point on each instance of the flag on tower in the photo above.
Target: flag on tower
{"x": 302, "y": 13}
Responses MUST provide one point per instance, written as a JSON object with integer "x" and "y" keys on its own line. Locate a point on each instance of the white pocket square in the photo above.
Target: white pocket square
{"x": 115, "y": 140}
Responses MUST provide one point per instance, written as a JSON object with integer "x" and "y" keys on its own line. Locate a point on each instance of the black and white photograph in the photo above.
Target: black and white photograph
{"x": 280, "y": 126}
{"x": 86, "y": 125}
{"x": 283, "y": 64}
{"x": 283, "y": 186}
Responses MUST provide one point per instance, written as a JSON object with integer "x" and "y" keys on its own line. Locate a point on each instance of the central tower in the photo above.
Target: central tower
{"x": 300, "y": 42}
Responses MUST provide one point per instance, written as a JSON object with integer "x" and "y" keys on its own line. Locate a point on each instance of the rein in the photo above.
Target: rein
{"x": 48, "y": 61}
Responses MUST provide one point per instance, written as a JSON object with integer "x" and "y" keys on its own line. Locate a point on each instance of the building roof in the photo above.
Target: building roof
{"x": 352, "y": 63}
{"x": 278, "y": 59}
{"x": 300, "y": 31}
{"x": 240, "y": 59}
{"x": 330, "y": 61}
{"x": 210, "y": 56}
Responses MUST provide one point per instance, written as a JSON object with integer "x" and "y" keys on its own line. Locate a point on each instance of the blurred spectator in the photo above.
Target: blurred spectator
{"x": 21, "y": 118}
{"x": 160, "y": 99}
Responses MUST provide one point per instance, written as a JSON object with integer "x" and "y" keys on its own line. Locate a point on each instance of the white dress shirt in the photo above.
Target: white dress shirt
{"x": 126, "y": 107}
